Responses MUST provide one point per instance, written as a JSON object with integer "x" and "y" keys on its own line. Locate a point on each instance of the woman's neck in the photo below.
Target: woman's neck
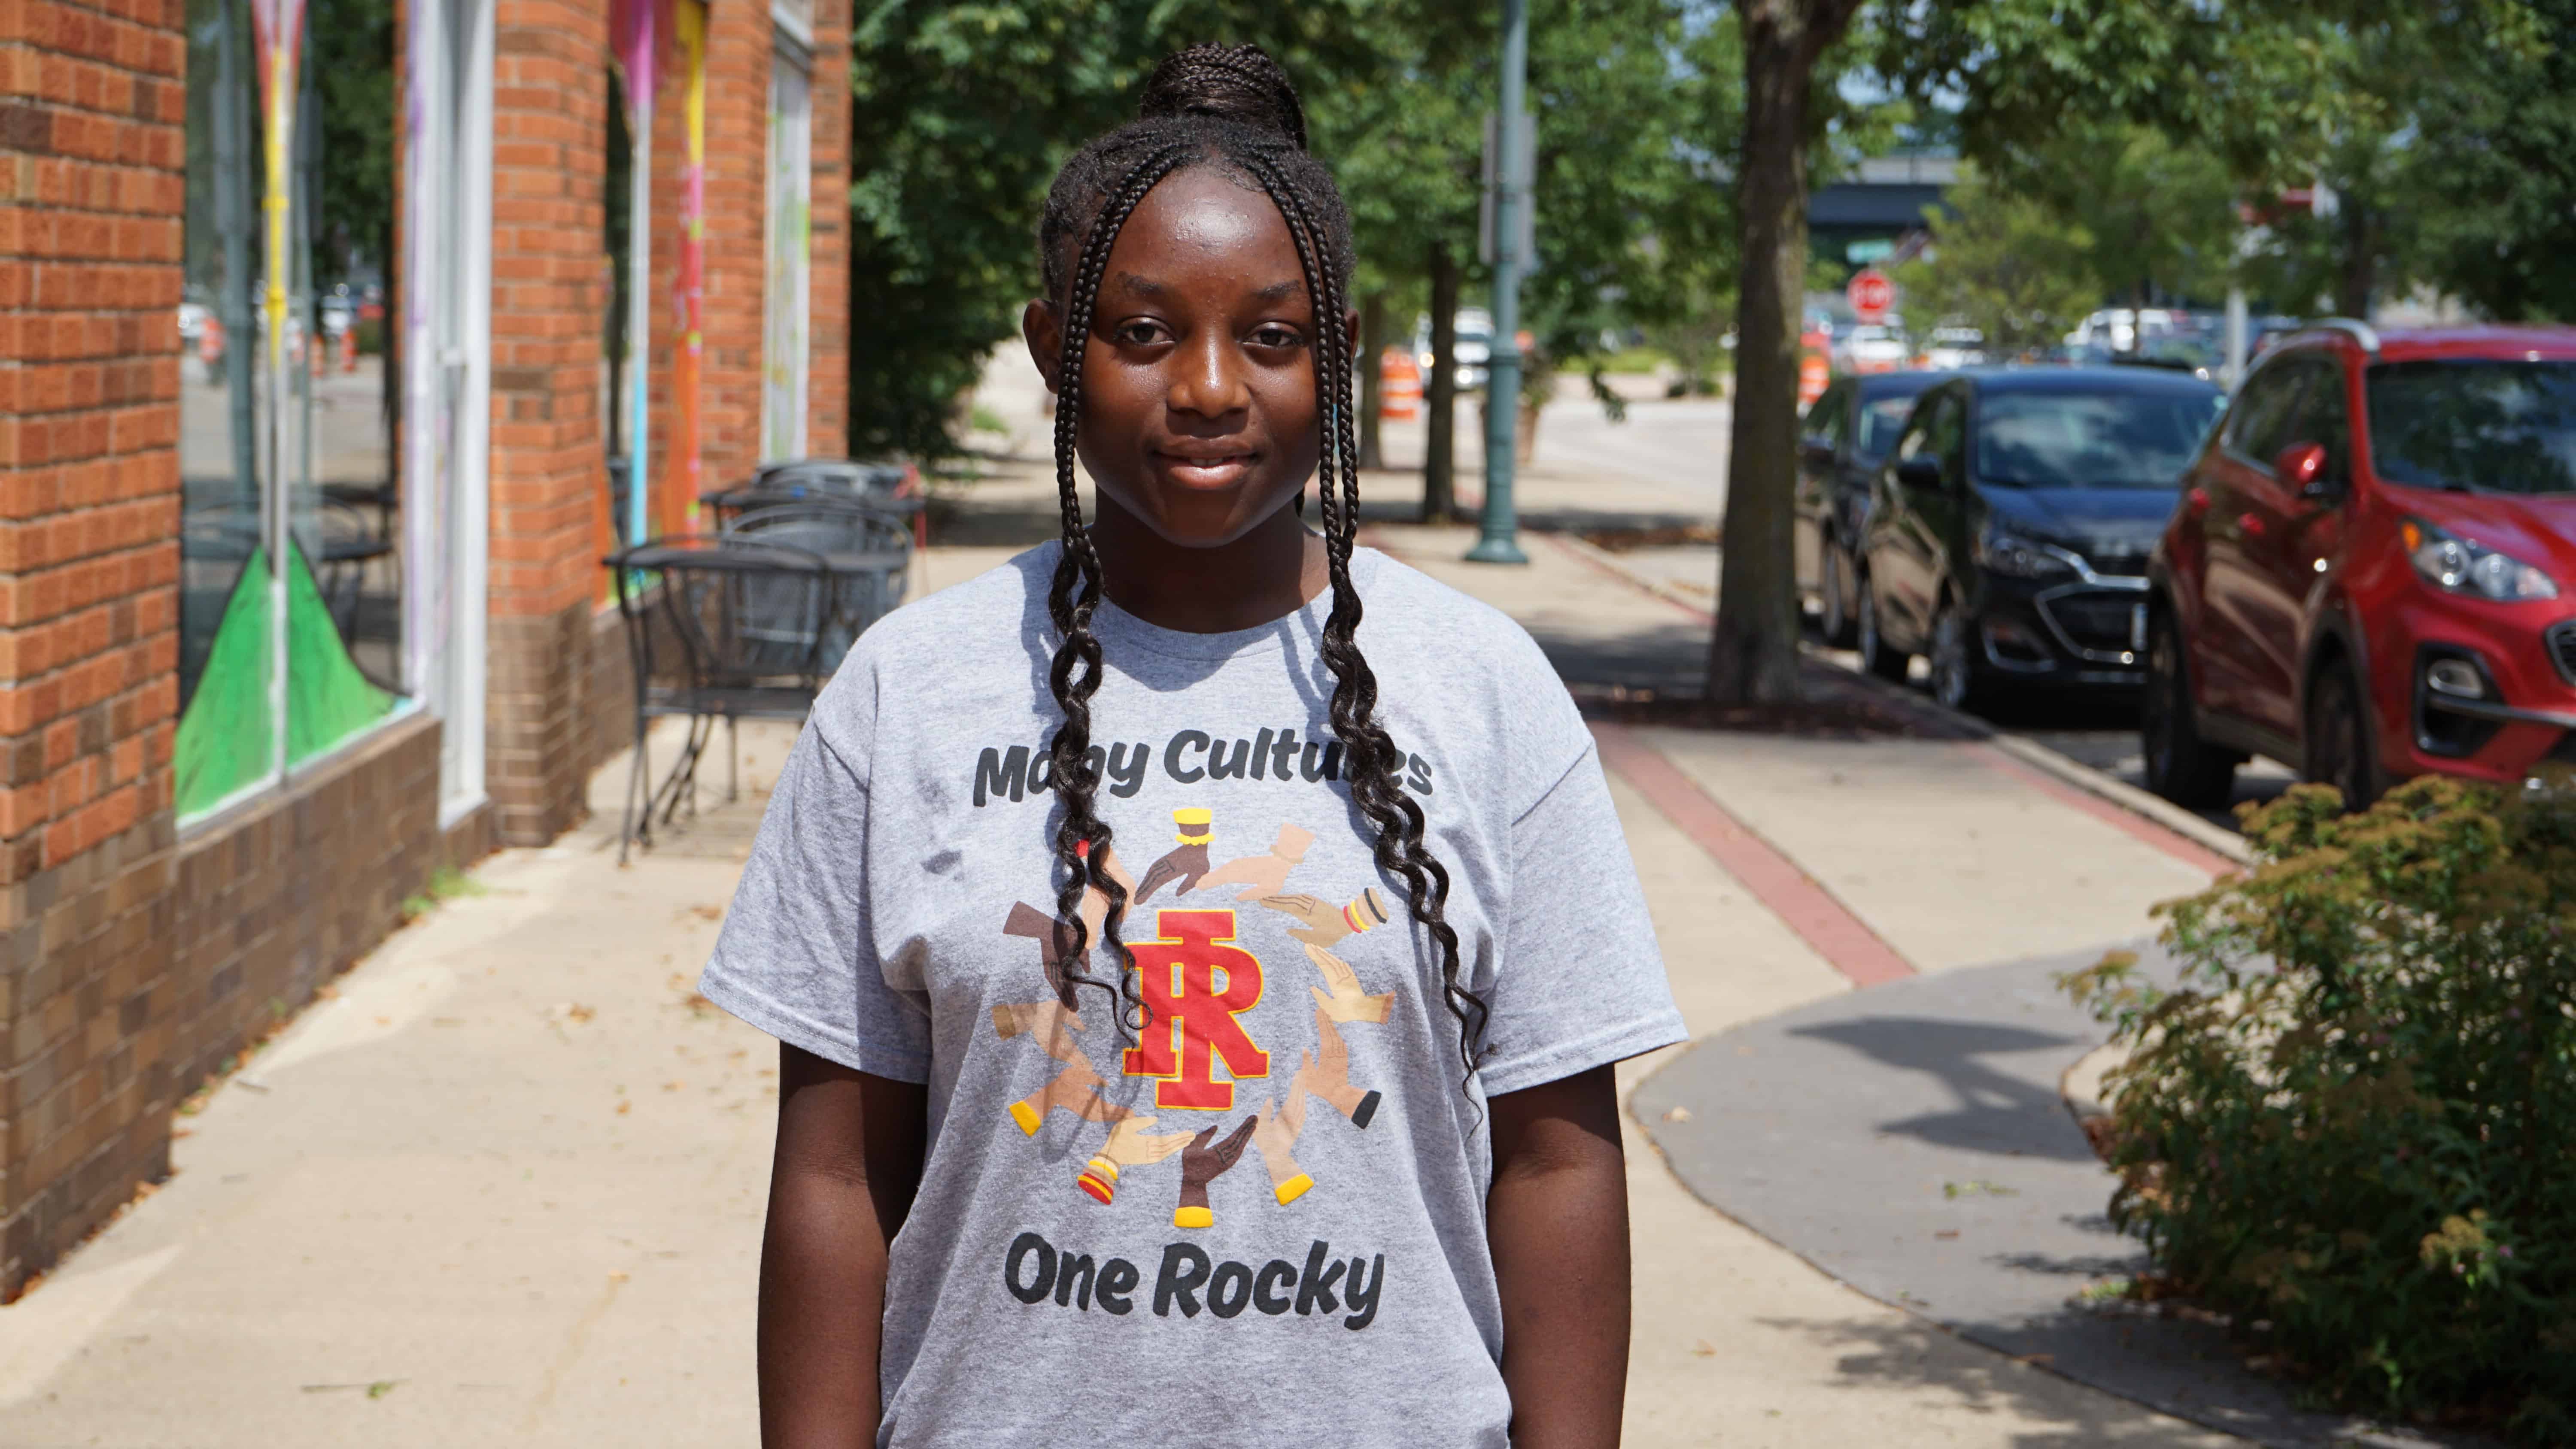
{"x": 1272, "y": 571}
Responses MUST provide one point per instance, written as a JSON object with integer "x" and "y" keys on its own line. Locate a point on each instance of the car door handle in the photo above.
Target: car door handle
{"x": 2250, "y": 524}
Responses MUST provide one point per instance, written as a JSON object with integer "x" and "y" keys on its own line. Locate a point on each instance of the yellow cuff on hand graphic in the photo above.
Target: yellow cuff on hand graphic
{"x": 1293, "y": 1189}
{"x": 1193, "y": 1217}
{"x": 1027, "y": 1116}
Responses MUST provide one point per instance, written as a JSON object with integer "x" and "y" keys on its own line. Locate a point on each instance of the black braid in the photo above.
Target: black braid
{"x": 1231, "y": 109}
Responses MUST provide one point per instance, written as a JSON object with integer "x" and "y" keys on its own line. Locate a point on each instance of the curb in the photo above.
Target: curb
{"x": 2162, "y": 813}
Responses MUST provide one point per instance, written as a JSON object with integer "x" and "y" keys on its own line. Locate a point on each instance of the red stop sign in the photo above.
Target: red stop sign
{"x": 1871, "y": 294}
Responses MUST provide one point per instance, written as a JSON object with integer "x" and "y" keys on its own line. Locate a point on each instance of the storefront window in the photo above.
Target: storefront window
{"x": 290, "y": 564}
{"x": 785, "y": 343}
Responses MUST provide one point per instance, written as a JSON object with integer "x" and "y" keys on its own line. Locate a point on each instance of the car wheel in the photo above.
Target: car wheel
{"x": 2181, "y": 766}
{"x": 2338, "y": 743}
{"x": 1875, "y": 656}
{"x": 1957, "y": 681}
{"x": 1833, "y": 587}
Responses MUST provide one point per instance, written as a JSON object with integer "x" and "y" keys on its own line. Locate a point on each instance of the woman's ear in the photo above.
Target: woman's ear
{"x": 1045, "y": 336}
{"x": 1351, "y": 330}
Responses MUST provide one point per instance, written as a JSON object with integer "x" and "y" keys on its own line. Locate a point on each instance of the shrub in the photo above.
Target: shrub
{"x": 2352, "y": 1125}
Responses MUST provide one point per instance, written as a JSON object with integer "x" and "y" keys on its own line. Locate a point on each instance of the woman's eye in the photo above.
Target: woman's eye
{"x": 1138, "y": 334}
{"x": 1276, "y": 337}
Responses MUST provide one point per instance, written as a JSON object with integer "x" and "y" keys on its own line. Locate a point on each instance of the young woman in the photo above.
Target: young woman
{"x": 1065, "y": 1153}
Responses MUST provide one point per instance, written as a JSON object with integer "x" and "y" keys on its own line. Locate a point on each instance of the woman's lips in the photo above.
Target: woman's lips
{"x": 1212, "y": 470}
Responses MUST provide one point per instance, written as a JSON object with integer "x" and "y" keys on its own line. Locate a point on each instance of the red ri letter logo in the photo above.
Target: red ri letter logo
{"x": 1194, "y": 1013}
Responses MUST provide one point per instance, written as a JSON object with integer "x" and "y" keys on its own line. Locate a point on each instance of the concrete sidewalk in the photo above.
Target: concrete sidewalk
{"x": 506, "y": 1186}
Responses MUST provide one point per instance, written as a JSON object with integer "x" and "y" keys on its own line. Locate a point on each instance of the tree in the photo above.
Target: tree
{"x": 1753, "y": 651}
{"x": 2007, "y": 263}
{"x": 2262, "y": 85}
{"x": 2494, "y": 175}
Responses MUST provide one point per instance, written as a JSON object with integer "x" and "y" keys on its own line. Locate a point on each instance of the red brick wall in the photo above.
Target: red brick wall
{"x": 738, "y": 51}
{"x": 548, "y": 463}
{"x": 827, "y": 409}
{"x": 92, "y": 192}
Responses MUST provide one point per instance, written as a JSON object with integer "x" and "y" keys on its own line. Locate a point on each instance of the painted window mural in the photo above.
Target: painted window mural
{"x": 290, "y": 559}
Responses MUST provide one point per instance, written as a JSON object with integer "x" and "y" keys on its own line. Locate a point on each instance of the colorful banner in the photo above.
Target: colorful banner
{"x": 680, "y": 507}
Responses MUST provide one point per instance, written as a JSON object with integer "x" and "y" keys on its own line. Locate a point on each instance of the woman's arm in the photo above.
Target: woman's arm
{"x": 848, "y": 1159}
{"x": 1557, "y": 1222}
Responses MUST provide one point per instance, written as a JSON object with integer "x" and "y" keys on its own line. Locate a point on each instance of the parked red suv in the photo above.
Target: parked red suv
{"x": 2372, "y": 572}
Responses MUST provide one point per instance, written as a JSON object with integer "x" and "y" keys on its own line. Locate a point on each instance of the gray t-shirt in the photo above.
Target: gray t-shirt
{"x": 1260, "y": 1221}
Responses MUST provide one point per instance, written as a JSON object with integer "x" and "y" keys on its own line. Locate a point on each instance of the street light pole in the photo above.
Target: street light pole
{"x": 1503, "y": 365}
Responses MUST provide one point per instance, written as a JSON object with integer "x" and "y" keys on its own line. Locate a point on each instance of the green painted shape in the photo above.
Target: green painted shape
{"x": 224, "y": 739}
{"x": 327, "y": 698}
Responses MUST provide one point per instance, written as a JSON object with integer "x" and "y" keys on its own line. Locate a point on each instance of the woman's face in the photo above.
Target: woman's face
{"x": 1198, "y": 380}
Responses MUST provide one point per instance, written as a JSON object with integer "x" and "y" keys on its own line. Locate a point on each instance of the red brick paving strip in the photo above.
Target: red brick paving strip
{"x": 1823, "y": 922}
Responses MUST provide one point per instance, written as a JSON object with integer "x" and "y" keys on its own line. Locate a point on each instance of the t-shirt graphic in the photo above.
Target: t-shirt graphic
{"x": 1264, "y": 1188}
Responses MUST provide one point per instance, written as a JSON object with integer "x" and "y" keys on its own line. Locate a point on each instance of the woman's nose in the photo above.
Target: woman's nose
{"x": 1208, "y": 376}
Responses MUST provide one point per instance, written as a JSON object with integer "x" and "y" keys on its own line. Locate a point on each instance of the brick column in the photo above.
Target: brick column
{"x": 548, "y": 467}
{"x": 738, "y": 51}
{"x": 827, "y": 409}
{"x": 92, "y": 197}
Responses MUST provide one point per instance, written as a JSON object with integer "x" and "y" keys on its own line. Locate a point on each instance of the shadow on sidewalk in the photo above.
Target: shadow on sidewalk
{"x": 1993, "y": 1107}
{"x": 1876, "y": 1354}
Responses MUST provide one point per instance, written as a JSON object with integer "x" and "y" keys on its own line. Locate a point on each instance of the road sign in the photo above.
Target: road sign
{"x": 1871, "y": 294}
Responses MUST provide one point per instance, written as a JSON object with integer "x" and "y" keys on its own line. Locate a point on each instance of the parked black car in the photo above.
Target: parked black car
{"x": 1845, "y": 437}
{"x": 2009, "y": 528}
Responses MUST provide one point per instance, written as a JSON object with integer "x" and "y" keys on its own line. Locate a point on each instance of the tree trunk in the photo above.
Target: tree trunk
{"x": 1372, "y": 386}
{"x": 1753, "y": 652}
{"x": 1440, "y": 394}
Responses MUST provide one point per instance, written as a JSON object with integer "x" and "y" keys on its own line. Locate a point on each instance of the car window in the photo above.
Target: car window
{"x": 2111, "y": 438}
{"x": 2259, "y": 427}
{"x": 2504, "y": 427}
{"x": 2325, "y": 418}
{"x": 1881, "y": 418}
{"x": 1830, "y": 417}
{"x": 1937, "y": 433}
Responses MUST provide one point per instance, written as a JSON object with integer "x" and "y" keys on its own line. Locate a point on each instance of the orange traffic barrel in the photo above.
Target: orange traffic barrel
{"x": 1399, "y": 385}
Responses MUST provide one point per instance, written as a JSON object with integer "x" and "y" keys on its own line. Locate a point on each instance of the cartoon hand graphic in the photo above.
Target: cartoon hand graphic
{"x": 1275, "y": 1133}
{"x": 1344, "y": 1000}
{"x": 1326, "y": 1071}
{"x": 1202, "y": 1164}
{"x": 1128, "y": 1146}
{"x": 1076, "y": 1089}
{"x": 1325, "y": 925}
{"x": 1048, "y": 1021}
{"x": 1187, "y": 861}
{"x": 1055, "y": 945}
{"x": 1260, "y": 875}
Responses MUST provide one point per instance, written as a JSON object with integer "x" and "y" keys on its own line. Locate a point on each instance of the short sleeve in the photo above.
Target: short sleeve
{"x": 796, "y": 957}
{"x": 1578, "y": 981}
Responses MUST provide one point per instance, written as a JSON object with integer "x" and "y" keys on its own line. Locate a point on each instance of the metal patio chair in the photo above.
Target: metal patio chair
{"x": 728, "y": 630}
{"x": 869, "y": 553}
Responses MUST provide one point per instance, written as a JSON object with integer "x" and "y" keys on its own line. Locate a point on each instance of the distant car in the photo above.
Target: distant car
{"x": 1472, "y": 350}
{"x": 1872, "y": 347}
{"x": 2009, "y": 529}
{"x": 2370, "y": 574}
{"x": 1846, "y": 434}
{"x": 1954, "y": 347}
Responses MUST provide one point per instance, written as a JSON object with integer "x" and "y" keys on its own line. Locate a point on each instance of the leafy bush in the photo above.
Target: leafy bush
{"x": 2352, "y": 1125}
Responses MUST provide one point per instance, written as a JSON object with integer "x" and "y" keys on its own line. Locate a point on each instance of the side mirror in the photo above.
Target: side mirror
{"x": 2301, "y": 467}
{"x": 1919, "y": 472}
{"x": 1816, "y": 453}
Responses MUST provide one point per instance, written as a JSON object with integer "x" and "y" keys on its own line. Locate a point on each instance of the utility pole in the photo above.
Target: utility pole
{"x": 1509, "y": 189}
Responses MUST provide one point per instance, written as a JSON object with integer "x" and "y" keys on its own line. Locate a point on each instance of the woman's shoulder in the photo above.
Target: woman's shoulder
{"x": 1414, "y": 616}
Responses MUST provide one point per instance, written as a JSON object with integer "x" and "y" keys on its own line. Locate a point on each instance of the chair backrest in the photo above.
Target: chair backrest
{"x": 845, "y": 477}
{"x": 744, "y": 613}
{"x": 870, "y": 553}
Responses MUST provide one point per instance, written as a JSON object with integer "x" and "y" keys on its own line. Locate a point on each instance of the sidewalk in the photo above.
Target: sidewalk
{"x": 506, "y": 1186}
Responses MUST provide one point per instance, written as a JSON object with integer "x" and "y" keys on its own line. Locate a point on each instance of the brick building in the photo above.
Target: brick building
{"x": 338, "y": 339}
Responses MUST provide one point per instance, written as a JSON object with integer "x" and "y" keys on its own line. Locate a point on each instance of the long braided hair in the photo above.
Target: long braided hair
{"x": 1234, "y": 109}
